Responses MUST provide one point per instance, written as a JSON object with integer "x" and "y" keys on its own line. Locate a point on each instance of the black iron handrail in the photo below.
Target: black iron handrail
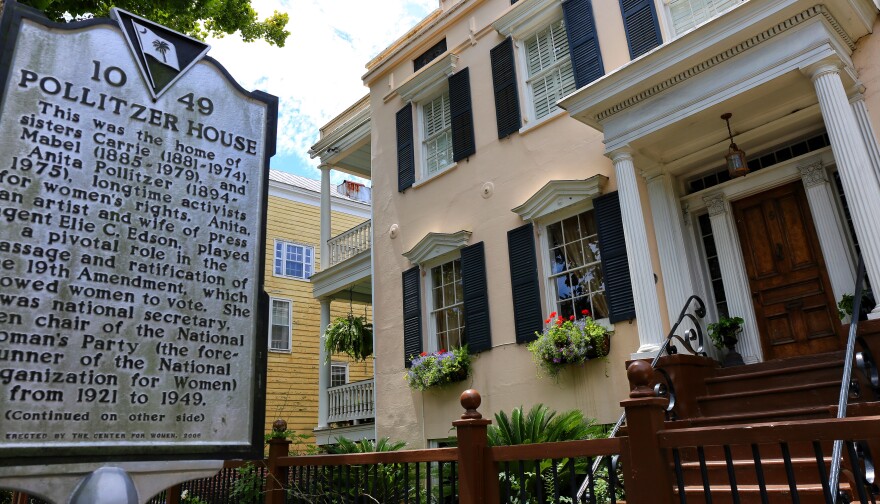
{"x": 693, "y": 334}
{"x": 845, "y": 382}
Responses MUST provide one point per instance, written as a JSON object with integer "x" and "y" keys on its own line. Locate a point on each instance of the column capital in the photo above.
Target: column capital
{"x": 823, "y": 68}
{"x": 622, "y": 154}
{"x": 813, "y": 174}
{"x": 325, "y": 166}
{"x": 716, "y": 203}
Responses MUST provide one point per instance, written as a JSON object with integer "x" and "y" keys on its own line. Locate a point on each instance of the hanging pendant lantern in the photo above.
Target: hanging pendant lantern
{"x": 736, "y": 158}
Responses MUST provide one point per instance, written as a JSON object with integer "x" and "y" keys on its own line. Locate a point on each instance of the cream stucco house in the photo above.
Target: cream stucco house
{"x": 547, "y": 155}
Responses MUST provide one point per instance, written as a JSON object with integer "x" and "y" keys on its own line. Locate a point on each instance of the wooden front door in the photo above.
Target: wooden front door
{"x": 794, "y": 305}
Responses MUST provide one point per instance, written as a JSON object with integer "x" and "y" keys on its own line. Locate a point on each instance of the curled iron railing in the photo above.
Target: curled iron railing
{"x": 846, "y": 383}
{"x": 694, "y": 334}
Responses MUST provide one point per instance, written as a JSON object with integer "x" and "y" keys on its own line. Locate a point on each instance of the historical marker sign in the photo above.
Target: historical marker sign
{"x": 133, "y": 178}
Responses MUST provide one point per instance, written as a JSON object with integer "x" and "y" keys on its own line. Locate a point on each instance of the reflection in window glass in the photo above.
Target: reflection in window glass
{"x": 575, "y": 268}
{"x": 448, "y": 307}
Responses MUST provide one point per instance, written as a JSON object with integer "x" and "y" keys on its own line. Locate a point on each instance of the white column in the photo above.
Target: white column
{"x": 854, "y": 165}
{"x": 733, "y": 274}
{"x": 638, "y": 254}
{"x": 830, "y": 228}
{"x": 669, "y": 230}
{"x": 861, "y": 112}
{"x": 323, "y": 369}
{"x": 325, "y": 216}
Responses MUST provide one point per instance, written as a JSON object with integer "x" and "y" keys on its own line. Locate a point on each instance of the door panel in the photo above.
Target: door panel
{"x": 791, "y": 293}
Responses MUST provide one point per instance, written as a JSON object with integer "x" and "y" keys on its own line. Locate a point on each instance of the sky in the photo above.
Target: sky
{"x": 317, "y": 74}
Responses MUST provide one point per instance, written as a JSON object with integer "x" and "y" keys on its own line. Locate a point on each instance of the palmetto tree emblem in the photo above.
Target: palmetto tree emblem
{"x": 162, "y": 47}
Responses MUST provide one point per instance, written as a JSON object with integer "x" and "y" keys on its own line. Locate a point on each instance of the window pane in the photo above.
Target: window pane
{"x": 577, "y": 272}
{"x": 554, "y": 234}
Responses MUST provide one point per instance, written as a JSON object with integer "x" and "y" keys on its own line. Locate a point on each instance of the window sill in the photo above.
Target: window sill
{"x": 279, "y": 351}
{"x": 439, "y": 174}
{"x": 286, "y": 277}
{"x": 542, "y": 121}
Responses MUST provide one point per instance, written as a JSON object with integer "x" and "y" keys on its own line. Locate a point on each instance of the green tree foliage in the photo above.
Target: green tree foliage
{"x": 198, "y": 18}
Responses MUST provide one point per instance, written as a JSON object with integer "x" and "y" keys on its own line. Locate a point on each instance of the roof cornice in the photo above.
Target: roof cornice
{"x": 603, "y": 98}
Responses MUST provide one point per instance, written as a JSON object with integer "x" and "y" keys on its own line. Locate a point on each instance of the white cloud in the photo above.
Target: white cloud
{"x": 318, "y": 73}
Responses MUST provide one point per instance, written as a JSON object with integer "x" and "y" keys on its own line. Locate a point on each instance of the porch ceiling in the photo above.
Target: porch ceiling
{"x": 762, "y": 117}
{"x": 753, "y": 62}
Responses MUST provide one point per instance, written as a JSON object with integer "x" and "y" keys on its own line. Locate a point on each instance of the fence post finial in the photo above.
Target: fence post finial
{"x": 470, "y": 401}
{"x": 640, "y": 373}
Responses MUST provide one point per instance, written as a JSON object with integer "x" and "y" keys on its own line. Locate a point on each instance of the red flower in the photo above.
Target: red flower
{"x": 423, "y": 354}
{"x": 571, "y": 318}
{"x": 552, "y": 314}
{"x": 585, "y": 312}
{"x": 442, "y": 350}
{"x": 559, "y": 322}
{"x": 560, "y": 319}
{"x": 547, "y": 321}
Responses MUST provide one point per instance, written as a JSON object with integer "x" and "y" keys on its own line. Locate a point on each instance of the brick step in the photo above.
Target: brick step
{"x": 804, "y": 394}
{"x": 778, "y": 377}
{"x": 781, "y": 415}
{"x": 797, "y": 450}
{"x": 805, "y": 471}
{"x": 779, "y": 364}
{"x": 751, "y": 494}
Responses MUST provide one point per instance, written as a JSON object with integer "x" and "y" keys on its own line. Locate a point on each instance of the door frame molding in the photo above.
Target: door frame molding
{"x": 736, "y": 284}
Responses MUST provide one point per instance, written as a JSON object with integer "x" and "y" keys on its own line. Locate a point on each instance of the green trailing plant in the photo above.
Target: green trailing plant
{"x": 350, "y": 335}
{"x": 572, "y": 341}
{"x": 439, "y": 368}
{"x": 725, "y": 329}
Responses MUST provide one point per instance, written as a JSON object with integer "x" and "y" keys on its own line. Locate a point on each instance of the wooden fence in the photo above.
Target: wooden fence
{"x": 774, "y": 462}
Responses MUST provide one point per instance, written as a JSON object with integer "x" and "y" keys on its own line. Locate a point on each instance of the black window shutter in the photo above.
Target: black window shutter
{"x": 406, "y": 161}
{"x": 476, "y": 298}
{"x": 583, "y": 44}
{"x": 412, "y": 315}
{"x": 615, "y": 270}
{"x": 642, "y": 28}
{"x": 461, "y": 114}
{"x": 527, "y": 314}
{"x": 507, "y": 113}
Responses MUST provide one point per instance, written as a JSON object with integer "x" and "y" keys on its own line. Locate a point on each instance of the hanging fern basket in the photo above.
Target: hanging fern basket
{"x": 350, "y": 335}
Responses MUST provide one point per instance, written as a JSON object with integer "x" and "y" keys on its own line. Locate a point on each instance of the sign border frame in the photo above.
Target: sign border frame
{"x": 10, "y": 22}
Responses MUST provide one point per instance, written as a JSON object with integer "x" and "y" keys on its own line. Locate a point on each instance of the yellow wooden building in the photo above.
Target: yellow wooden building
{"x": 292, "y": 256}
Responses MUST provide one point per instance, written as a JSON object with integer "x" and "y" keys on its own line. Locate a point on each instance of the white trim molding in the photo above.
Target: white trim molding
{"x": 526, "y": 16}
{"x": 424, "y": 82}
{"x": 560, "y": 195}
{"x": 436, "y": 246}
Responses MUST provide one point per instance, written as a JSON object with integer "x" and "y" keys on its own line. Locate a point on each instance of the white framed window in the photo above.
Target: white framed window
{"x": 436, "y": 134}
{"x": 294, "y": 260}
{"x": 280, "y": 325}
{"x": 574, "y": 269}
{"x": 549, "y": 73}
{"x": 338, "y": 374}
{"x": 685, "y": 15}
{"x": 446, "y": 300}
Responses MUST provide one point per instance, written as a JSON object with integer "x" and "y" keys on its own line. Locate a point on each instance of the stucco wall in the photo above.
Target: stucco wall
{"x": 559, "y": 148}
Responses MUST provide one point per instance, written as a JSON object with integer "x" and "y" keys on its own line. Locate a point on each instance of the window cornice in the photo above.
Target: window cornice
{"x": 423, "y": 82}
{"x": 437, "y": 245}
{"x": 559, "y": 195}
{"x": 526, "y": 16}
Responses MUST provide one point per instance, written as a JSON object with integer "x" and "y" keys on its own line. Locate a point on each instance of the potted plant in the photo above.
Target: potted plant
{"x": 439, "y": 368}
{"x": 845, "y": 305}
{"x": 572, "y": 341}
{"x": 724, "y": 333}
{"x": 350, "y": 335}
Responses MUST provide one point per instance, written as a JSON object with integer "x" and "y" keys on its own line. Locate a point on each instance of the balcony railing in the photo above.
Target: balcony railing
{"x": 350, "y": 243}
{"x": 352, "y": 401}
